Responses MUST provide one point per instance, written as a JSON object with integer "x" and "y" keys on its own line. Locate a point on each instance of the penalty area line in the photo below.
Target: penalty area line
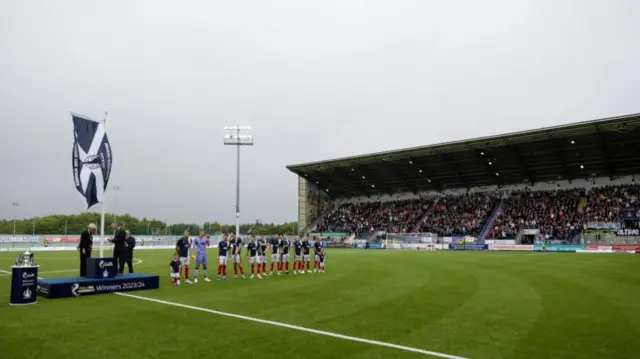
{"x": 295, "y": 327}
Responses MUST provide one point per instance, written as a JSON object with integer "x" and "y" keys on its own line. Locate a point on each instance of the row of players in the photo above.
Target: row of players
{"x": 230, "y": 248}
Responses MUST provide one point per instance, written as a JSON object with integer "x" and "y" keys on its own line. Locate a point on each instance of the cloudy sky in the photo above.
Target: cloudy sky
{"x": 315, "y": 80}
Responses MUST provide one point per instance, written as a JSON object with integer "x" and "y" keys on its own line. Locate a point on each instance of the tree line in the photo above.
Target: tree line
{"x": 74, "y": 224}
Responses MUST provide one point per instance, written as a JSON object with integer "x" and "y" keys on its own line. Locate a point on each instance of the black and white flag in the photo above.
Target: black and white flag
{"x": 91, "y": 158}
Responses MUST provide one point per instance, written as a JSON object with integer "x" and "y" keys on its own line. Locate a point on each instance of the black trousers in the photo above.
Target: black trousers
{"x": 83, "y": 262}
{"x": 129, "y": 260}
{"x": 120, "y": 255}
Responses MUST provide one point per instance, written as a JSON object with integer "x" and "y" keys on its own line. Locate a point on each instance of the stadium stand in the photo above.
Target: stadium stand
{"x": 557, "y": 180}
{"x": 557, "y": 214}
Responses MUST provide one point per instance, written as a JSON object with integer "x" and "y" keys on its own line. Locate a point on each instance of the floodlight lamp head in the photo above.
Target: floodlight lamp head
{"x": 238, "y": 140}
{"x": 237, "y": 128}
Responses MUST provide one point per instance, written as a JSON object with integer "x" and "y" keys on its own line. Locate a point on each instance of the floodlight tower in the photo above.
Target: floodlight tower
{"x": 238, "y": 136}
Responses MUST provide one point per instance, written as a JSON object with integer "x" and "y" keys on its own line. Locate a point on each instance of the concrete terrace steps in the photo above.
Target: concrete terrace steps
{"x": 492, "y": 218}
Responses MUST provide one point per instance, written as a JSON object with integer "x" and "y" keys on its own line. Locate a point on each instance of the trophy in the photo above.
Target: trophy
{"x": 25, "y": 259}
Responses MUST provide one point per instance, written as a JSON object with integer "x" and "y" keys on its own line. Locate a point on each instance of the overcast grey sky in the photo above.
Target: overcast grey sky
{"x": 315, "y": 79}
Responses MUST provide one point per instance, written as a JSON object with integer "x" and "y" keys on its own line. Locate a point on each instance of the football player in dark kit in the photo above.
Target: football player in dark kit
{"x": 317, "y": 248}
{"x": 223, "y": 247}
{"x": 252, "y": 251}
{"x": 262, "y": 245}
{"x": 174, "y": 267}
{"x": 306, "y": 247}
{"x": 275, "y": 255}
{"x": 85, "y": 247}
{"x": 236, "y": 247}
{"x": 297, "y": 259}
{"x": 119, "y": 249}
{"x": 232, "y": 247}
{"x": 285, "y": 255}
{"x": 182, "y": 248}
{"x": 321, "y": 260}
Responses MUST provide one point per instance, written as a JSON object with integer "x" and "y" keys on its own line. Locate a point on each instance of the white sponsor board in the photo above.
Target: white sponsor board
{"x": 500, "y": 241}
{"x": 18, "y": 239}
{"x": 599, "y": 250}
{"x": 510, "y": 247}
{"x": 418, "y": 246}
{"x": 48, "y": 249}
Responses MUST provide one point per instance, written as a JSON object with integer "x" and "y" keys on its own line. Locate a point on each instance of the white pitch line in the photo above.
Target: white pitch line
{"x": 49, "y": 259}
{"x": 295, "y": 327}
{"x": 5, "y": 272}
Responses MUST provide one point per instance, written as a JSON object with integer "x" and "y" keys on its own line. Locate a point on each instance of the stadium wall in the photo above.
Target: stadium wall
{"x": 303, "y": 216}
{"x": 312, "y": 202}
{"x": 11, "y": 243}
{"x": 14, "y": 243}
{"x": 383, "y": 246}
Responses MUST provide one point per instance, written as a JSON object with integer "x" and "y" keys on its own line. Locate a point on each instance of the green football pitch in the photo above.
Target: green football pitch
{"x": 369, "y": 304}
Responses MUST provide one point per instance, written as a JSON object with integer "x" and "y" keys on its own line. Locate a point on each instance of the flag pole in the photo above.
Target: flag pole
{"x": 104, "y": 124}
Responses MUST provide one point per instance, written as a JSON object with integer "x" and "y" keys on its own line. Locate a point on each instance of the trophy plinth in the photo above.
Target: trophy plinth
{"x": 24, "y": 280}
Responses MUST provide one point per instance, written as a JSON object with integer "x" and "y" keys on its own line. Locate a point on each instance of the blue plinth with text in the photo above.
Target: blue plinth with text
{"x": 101, "y": 267}
{"x": 24, "y": 281}
{"x": 83, "y": 286}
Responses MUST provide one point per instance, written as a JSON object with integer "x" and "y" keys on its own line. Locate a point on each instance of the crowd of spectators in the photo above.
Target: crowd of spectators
{"x": 557, "y": 214}
{"x": 459, "y": 215}
{"x": 366, "y": 218}
{"x": 451, "y": 215}
{"x": 554, "y": 213}
{"x": 606, "y": 203}
{"x": 563, "y": 214}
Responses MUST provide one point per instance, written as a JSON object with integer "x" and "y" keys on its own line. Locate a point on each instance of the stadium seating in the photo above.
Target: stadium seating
{"x": 554, "y": 213}
{"x": 363, "y": 219}
{"x": 459, "y": 215}
{"x": 447, "y": 215}
{"x": 558, "y": 214}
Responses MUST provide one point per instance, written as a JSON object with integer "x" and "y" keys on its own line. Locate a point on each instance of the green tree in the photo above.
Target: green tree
{"x": 76, "y": 223}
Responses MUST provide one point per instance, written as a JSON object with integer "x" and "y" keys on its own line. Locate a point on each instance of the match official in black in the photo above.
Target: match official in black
{"x": 119, "y": 249}
{"x": 85, "y": 247}
{"x": 130, "y": 244}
